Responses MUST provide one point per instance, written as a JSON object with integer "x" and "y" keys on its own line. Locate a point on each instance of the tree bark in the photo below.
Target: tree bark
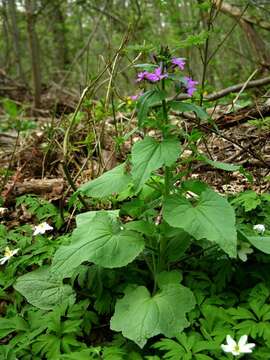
{"x": 34, "y": 51}
{"x": 248, "y": 25}
{"x": 6, "y": 52}
{"x": 16, "y": 38}
{"x": 59, "y": 36}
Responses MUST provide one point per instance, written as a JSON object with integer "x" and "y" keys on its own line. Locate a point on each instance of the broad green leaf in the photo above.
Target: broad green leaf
{"x": 146, "y": 101}
{"x": 141, "y": 226}
{"x": 211, "y": 218}
{"x": 168, "y": 277}
{"x": 149, "y": 155}
{"x": 186, "y": 107}
{"x": 140, "y": 316}
{"x": 101, "y": 241}
{"x": 260, "y": 242}
{"x": 111, "y": 182}
{"x": 84, "y": 218}
{"x": 194, "y": 186}
{"x": 42, "y": 290}
{"x": 220, "y": 165}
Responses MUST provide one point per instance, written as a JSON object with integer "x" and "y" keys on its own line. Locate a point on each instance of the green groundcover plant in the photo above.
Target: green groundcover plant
{"x": 155, "y": 267}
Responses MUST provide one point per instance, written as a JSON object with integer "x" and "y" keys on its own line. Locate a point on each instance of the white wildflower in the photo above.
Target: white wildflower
{"x": 242, "y": 347}
{"x": 260, "y": 228}
{"x": 8, "y": 254}
{"x": 42, "y": 228}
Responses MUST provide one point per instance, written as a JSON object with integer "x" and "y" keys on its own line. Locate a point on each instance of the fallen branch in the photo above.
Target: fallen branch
{"x": 39, "y": 187}
{"x": 236, "y": 88}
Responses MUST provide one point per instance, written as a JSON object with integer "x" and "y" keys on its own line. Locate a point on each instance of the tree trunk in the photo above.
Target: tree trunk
{"x": 59, "y": 36}
{"x": 6, "y": 52}
{"x": 12, "y": 9}
{"x": 34, "y": 51}
{"x": 248, "y": 23}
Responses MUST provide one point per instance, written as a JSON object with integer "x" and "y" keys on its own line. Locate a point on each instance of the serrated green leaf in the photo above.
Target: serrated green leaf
{"x": 186, "y": 107}
{"x": 42, "y": 290}
{"x": 16, "y": 323}
{"x": 211, "y": 218}
{"x": 140, "y": 316}
{"x": 111, "y": 182}
{"x": 149, "y": 155}
{"x": 101, "y": 241}
{"x": 248, "y": 199}
{"x": 149, "y": 99}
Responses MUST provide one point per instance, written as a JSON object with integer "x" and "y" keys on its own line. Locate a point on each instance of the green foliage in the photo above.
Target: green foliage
{"x": 12, "y": 118}
{"x": 111, "y": 182}
{"x": 210, "y": 217}
{"x": 146, "y": 102}
{"x": 41, "y": 208}
{"x": 141, "y": 316}
{"x": 42, "y": 290}
{"x": 149, "y": 155}
{"x": 101, "y": 241}
{"x": 158, "y": 265}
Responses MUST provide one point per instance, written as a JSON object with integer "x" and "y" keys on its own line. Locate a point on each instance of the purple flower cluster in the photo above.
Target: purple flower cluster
{"x": 152, "y": 77}
{"x": 159, "y": 74}
{"x": 190, "y": 85}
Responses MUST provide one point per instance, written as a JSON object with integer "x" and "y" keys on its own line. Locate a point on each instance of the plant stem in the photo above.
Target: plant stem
{"x": 165, "y": 135}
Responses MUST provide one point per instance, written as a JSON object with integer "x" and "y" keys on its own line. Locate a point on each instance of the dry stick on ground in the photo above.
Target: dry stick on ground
{"x": 235, "y": 88}
{"x": 231, "y": 89}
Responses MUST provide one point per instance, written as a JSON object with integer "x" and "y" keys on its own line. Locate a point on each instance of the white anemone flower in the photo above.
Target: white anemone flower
{"x": 7, "y": 255}
{"x": 242, "y": 347}
{"x": 260, "y": 228}
{"x": 42, "y": 228}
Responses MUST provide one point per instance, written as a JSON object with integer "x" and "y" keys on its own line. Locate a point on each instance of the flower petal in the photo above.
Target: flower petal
{"x": 3, "y": 260}
{"x": 226, "y": 348}
{"x": 14, "y": 252}
{"x": 230, "y": 341}
{"x": 247, "y": 348}
{"x": 243, "y": 340}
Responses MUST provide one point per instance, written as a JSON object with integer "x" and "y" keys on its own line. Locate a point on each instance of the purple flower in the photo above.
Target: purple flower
{"x": 136, "y": 97}
{"x": 156, "y": 75}
{"x": 142, "y": 76}
{"x": 190, "y": 85}
{"x": 180, "y": 62}
{"x": 152, "y": 77}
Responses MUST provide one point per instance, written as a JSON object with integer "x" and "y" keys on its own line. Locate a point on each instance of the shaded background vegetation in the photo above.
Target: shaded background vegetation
{"x": 66, "y": 43}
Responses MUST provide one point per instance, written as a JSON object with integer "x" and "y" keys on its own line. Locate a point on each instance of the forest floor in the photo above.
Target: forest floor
{"x": 30, "y": 161}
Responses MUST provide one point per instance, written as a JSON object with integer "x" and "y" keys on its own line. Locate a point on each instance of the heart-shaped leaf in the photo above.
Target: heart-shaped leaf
{"x": 102, "y": 241}
{"x": 43, "y": 290}
{"x": 211, "y": 218}
{"x": 140, "y": 316}
{"x": 149, "y": 155}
